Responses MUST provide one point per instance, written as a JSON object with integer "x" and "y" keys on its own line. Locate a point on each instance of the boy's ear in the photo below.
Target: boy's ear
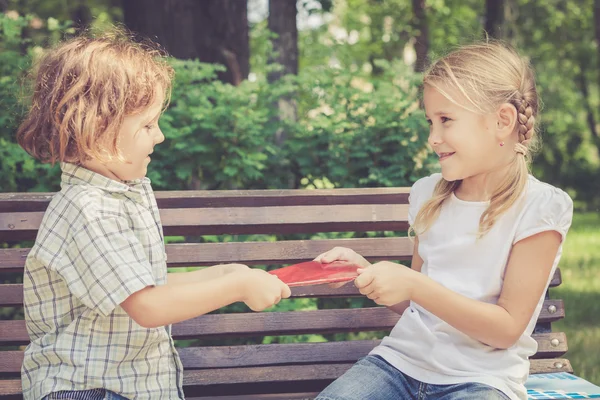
{"x": 507, "y": 117}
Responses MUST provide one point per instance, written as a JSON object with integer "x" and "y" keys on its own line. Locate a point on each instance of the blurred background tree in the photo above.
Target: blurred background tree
{"x": 280, "y": 47}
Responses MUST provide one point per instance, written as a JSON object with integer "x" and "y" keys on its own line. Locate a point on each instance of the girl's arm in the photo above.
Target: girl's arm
{"x": 416, "y": 264}
{"x": 498, "y": 325}
{"x": 346, "y": 254}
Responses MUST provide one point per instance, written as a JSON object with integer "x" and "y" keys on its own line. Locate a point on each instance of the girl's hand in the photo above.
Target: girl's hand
{"x": 342, "y": 254}
{"x": 387, "y": 283}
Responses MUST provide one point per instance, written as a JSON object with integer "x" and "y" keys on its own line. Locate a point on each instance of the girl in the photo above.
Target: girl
{"x": 488, "y": 239}
{"x": 98, "y": 299}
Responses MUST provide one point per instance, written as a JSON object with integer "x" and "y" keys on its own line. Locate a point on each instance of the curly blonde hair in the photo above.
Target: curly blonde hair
{"x": 82, "y": 91}
{"x": 487, "y": 75}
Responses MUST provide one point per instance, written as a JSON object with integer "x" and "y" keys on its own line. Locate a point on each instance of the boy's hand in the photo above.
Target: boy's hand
{"x": 229, "y": 268}
{"x": 262, "y": 290}
{"x": 386, "y": 283}
{"x": 342, "y": 254}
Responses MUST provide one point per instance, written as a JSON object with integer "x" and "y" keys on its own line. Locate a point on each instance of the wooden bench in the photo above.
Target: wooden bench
{"x": 271, "y": 371}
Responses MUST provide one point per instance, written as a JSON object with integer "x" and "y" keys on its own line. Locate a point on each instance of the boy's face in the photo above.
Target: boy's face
{"x": 137, "y": 137}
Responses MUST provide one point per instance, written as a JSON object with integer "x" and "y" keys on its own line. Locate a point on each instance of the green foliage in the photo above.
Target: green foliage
{"x": 565, "y": 55}
{"x": 18, "y": 171}
{"x": 580, "y": 267}
{"x": 354, "y": 132}
{"x": 563, "y": 51}
{"x": 349, "y": 132}
{"x": 216, "y": 133}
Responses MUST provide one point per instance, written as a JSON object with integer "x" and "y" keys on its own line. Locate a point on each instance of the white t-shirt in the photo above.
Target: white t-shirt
{"x": 428, "y": 349}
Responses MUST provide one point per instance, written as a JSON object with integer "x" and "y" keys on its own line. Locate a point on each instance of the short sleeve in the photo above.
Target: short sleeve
{"x": 104, "y": 263}
{"x": 550, "y": 209}
{"x": 420, "y": 192}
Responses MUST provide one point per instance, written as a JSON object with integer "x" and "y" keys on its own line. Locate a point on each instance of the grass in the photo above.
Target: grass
{"x": 580, "y": 266}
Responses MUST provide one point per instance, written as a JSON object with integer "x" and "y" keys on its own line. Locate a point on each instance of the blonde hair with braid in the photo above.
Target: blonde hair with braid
{"x": 487, "y": 75}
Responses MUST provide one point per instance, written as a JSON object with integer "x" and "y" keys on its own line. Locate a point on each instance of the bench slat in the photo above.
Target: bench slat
{"x": 279, "y": 379}
{"x": 21, "y": 202}
{"x": 253, "y": 253}
{"x": 301, "y": 378}
{"x": 275, "y": 368}
{"x": 208, "y": 357}
{"x": 247, "y": 220}
{"x": 12, "y": 295}
{"x": 277, "y": 323}
{"x": 260, "y": 253}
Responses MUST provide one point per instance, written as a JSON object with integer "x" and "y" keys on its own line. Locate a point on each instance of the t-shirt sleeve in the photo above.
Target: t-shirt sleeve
{"x": 104, "y": 263}
{"x": 420, "y": 192}
{"x": 549, "y": 210}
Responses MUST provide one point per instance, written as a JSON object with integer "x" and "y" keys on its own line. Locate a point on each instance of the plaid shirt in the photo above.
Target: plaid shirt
{"x": 99, "y": 242}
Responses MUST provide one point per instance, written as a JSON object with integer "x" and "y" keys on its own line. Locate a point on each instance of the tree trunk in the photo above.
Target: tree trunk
{"x": 81, "y": 15}
{"x": 282, "y": 21}
{"x": 421, "y": 36}
{"x": 213, "y": 31}
{"x": 223, "y": 37}
{"x": 494, "y": 18}
{"x": 597, "y": 30}
{"x": 590, "y": 116}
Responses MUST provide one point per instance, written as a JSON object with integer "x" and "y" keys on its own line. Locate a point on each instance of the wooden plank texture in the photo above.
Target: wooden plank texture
{"x": 12, "y": 295}
{"x": 23, "y": 202}
{"x": 246, "y": 220}
{"x": 278, "y": 379}
{"x": 550, "y": 345}
{"x": 276, "y": 323}
{"x": 253, "y": 253}
{"x": 261, "y": 253}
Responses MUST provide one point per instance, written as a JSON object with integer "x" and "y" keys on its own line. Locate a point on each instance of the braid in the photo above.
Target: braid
{"x": 526, "y": 121}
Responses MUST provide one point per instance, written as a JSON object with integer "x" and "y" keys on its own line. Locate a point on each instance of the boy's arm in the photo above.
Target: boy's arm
{"x": 156, "y": 306}
{"x": 204, "y": 274}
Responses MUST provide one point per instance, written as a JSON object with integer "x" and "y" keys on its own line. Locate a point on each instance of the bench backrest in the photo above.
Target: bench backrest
{"x": 259, "y": 368}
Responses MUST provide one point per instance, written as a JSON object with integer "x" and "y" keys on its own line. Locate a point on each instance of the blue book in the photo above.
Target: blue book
{"x": 560, "y": 385}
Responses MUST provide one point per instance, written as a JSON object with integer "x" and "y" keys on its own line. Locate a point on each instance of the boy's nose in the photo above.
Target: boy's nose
{"x": 160, "y": 137}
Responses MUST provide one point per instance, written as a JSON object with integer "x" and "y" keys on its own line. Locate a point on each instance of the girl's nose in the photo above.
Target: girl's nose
{"x": 434, "y": 138}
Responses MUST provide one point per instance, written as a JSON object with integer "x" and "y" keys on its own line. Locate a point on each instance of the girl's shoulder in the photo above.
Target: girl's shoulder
{"x": 544, "y": 207}
{"x": 424, "y": 187}
{"x": 420, "y": 192}
{"x": 540, "y": 194}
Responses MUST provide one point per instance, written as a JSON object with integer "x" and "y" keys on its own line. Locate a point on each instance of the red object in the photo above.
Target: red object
{"x": 315, "y": 273}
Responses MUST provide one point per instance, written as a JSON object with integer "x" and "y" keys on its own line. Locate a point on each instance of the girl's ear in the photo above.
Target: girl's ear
{"x": 507, "y": 119}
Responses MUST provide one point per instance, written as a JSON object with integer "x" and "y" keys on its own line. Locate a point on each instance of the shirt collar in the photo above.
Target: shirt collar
{"x": 77, "y": 175}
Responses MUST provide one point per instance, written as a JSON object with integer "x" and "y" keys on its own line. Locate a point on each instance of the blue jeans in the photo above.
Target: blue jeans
{"x": 374, "y": 379}
{"x": 93, "y": 394}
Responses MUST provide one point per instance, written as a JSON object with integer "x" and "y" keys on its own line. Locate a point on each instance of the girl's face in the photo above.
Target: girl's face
{"x": 137, "y": 137}
{"x": 465, "y": 142}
